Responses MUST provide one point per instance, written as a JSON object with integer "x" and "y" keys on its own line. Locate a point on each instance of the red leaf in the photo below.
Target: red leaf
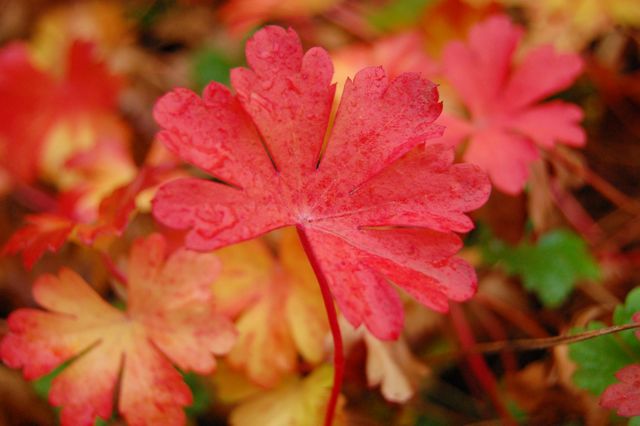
{"x": 25, "y": 91}
{"x": 50, "y": 231}
{"x": 116, "y": 210}
{"x": 33, "y": 101}
{"x": 506, "y": 126}
{"x": 353, "y": 201}
{"x": 42, "y": 232}
{"x": 624, "y": 397}
{"x": 170, "y": 317}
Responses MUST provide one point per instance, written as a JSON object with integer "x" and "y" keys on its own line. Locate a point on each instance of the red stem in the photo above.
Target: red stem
{"x": 35, "y": 198}
{"x": 113, "y": 269}
{"x": 338, "y": 352}
{"x": 477, "y": 362}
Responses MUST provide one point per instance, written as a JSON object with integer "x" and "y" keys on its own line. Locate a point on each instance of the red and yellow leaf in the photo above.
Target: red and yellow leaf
{"x": 170, "y": 318}
{"x": 296, "y": 402}
{"x": 48, "y": 118}
{"x": 277, "y": 305}
{"x": 42, "y": 232}
{"x": 50, "y": 231}
{"x": 380, "y": 204}
{"x": 624, "y": 397}
{"x": 506, "y": 124}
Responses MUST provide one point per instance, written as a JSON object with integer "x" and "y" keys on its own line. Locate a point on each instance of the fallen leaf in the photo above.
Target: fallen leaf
{"x": 169, "y": 317}
{"x": 277, "y": 305}
{"x": 550, "y": 268}
{"x": 624, "y": 397}
{"x": 296, "y": 402}
{"x": 507, "y": 125}
{"x": 361, "y": 207}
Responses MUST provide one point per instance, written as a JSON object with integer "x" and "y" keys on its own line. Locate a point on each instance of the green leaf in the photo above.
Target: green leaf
{"x": 600, "y": 358}
{"x": 398, "y": 13}
{"x": 423, "y": 420}
{"x": 549, "y": 268}
{"x": 201, "y": 395}
{"x": 634, "y": 421}
{"x": 210, "y": 65}
{"x": 623, "y": 315}
{"x": 43, "y": 384}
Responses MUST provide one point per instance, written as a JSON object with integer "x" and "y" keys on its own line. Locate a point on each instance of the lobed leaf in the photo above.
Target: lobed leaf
{"x": 352, "y": 199}
{"x": 552, "y": 267}
{"x": 170, "y": 317}
{"x": 297, "y": 402}
{"x": 277, "y": 305}
{"x": 506, "y": 125}
{"x": 600, "y": 358}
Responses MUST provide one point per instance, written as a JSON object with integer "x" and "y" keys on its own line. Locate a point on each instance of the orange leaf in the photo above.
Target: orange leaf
{"x": 41, "y": 233}
{"x": 170, "y": 317}
{"x": 277, "y": 305}
{"x": 297, "y": 402}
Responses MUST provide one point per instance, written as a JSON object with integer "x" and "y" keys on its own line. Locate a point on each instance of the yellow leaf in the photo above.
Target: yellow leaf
{"x": 101, "y": 22}
{"x": 232, "y": 386}
{"x": 296, "y": 402}
{"x": 389, "y": 364}
{"x": 305, "y": 310}
{"x": 277, "y": 306}
{"x": 392, "y": 366}
{"x": 571, "y": 25}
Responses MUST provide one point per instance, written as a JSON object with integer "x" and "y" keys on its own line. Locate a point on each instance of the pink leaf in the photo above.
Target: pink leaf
{"x": 352, "y": 199}
{"x": 506, "y": 126}
{"x": 170, "y": 317}
{"x": 624, "y": 397}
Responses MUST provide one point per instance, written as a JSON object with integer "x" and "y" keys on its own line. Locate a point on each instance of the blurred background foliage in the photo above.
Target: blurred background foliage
{"x": 560, "y": 257}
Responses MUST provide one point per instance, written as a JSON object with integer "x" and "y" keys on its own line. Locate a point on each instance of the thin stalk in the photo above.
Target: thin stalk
{"x": 477, "y": 363}
{"x": 520, "y": 345}
{"x": 338, "y": 351}
{"x": 548, "y": 342}
{"x": 34, "y": 198}
{"x": 113, "y": 269}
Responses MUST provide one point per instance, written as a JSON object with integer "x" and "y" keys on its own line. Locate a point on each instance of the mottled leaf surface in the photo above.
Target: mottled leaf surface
{"x": 377, "y": 204}
{"x": 506, "y": 123}
{"x": 169, "y": 318}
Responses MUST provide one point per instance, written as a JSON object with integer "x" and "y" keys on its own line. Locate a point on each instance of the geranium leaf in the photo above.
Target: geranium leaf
{"x": 34, "y": 102}
{"x": 624, "y": 396}
{"x": 277, "y": 305}
{"x": 42, "y": 232}
{"x": 298, "y": 402}
{"x": 624, "y": 314}
{"x": 378, "y": 204}
{"x": 551, "y": 267}
{"x": 506, "y": 125}
{"x": 50, "y": 231}
{"x": 169, "y": 317}
{"x": 599, "y": 359}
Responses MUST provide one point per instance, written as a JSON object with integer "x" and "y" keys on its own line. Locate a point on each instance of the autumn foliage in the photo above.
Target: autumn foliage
{"x": 324, "y": 212}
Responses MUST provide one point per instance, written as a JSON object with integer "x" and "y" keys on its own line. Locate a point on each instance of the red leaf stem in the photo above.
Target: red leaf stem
{"x": 34, "y": 198}
{"x": 573, "y": 211}
{"x": 477, "y": 363}
{"x": 338, "y": 351}
{"x": 113, "y": 269}
{"x": 495, "y": 329}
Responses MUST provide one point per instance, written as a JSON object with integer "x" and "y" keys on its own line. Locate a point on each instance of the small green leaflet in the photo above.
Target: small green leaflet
{"x": 550, "y": 268}
{"x": 600, "y": 358}
{"x": 210, "y": 65}
{"x": 398, "y": 13}
{"x": 201, "y": 394}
